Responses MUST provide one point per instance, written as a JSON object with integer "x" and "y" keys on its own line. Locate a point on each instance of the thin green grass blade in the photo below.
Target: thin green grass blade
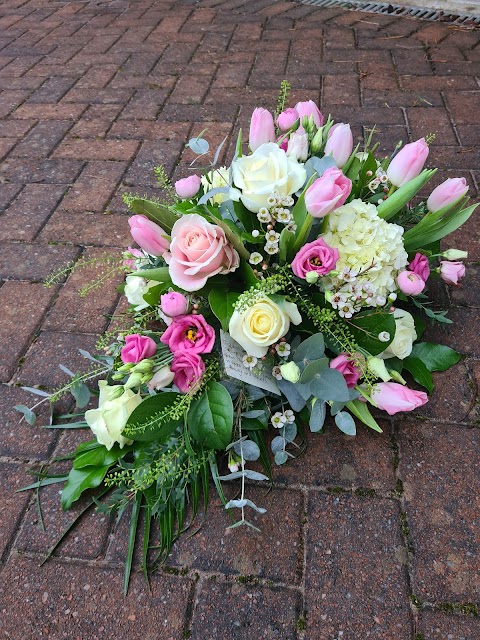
{"x": 131, "y": 540}
{"x": 146, "y": 542}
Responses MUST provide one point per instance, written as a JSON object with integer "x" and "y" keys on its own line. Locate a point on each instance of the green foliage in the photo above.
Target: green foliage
{"x": 155, "y": 418}
{"x": 79, "y": 480}
{"x": 419, "y": 371}
{"x": 435, "y": 357}
{"x": 361, "y": 411}
{"x": 155, "y": 212}
{"x": 210, "y": 418}
{"x": 222, "y": 305}
{"x": 366, "y": 327}
{"x": 399, "y": 198}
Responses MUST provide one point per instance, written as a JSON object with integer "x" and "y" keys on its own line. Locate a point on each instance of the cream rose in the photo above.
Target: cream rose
{"x": 268, "y": 169}
{"x": 135, "y": 288}
{"x": 108, "y": 421}
{"x": 405, "y": 336}
{"x": 262, "y": 324}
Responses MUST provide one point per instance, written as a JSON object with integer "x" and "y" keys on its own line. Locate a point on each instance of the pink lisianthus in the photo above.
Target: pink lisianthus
{"x": 262, "y": 128}
{"x": 287, "y": 119}
{"x": 420, "y": 266}
{"x": 451, "y": 272}
{"x": 137, "y": 348}
{"x": 188, "y": 369}
{"x": 408, "y": 163}
{"x": 327, "y": 193}
{"x": 174, "y": 304}
{"x": 148, "y": 235}
{"x": 198, "y": 251}
{"x": 410, "y": 283}
{"x": 347, "y": 368}
{"x": 130, "y": 262}
{"x": 188, "y": 187}
{"x": 393, "y": 397}
{"x": 315, "y": 256}
{"x": 447, "y": 193}
{"x": 189, "y": 333}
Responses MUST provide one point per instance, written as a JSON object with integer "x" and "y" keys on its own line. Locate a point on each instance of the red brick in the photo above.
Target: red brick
{"x": 96, "y": 121}
{"x": 50, "y": 111}
{"x": 94, "y": 187}
{"x": 42, "y": 139}
{"x": 436, "y": 625}
{"x": 147, "y": 130}
{"x": 15, "y": 128}
{"x": 97, "y": 229}
{"x": 425, "y": 120}
{"x": 145, "y": 104}
{"x": 443, "y": 83}
{"x": 461, "y": 104}
{"x": 25, "y": 170}
{"x": 21, "y": 261}
{"x": 52, "y": 90}
{"x": 12, "y": 478}
{"x": 96, "y": 149}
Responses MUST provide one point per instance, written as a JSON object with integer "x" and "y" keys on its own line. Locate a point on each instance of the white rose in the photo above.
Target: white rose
{"x": 262, "y": 324}
{"x": 108, "y": 421}
{"x": 135, "y": 288}
{"x": 216, "y": 179}
{"x": 405, "y": 336}
{"x": 268, "y": 169}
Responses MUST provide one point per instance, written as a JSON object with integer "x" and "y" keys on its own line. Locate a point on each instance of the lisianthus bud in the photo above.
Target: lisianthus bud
{"x": 174, "y": 304}
{"x": 316, "y": 143}
{"x": 290, "y": 371}
{"x": 396, "y": 376}
{"x": 134, "y": 380}
{"x": 311, "y": 277}
{"x": 378, "y": 368}
{"x": 408, "y": 163}
{"x": 455, "y": 254}
{"x": 144, "y": 366}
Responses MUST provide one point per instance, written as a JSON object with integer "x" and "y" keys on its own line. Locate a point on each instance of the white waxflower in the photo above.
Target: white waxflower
{"x": 289, "y": 416}
{"x": 249, "y": 361}
{"x": 271, "y": 249}
{"x": 255, "y": 258}
{"x": 279, "y": 420}
{"x": 264, "y": 215}
{"x": 284, "y": 216}
{"x": 272, "y": 237}
{"x": 276, "y": 373}
{"x": 283, "y": 349}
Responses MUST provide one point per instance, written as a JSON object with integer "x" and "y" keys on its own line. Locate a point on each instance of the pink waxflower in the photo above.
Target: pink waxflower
{"x": 262, "y": 128}
{"x": 198, "y": 251}
{"x": 188, "y": 368}
{"x": 420, "y": 266}
{"x": 345, "y": 364}
{"x": 174, "y": 304}
{"x": 339, "y": 143}
{"x": 188, "y": 187}
{"x": 137, "y": 348}
{"x": 393, "y": 397}
{"x": 327, "y": 193}
{"x": 189, "y": 333}
{"x": 148, "y": 235}
{"x": 408, "y": 163}
{"x": 287, "y": 119}
{"x": 447, "y": 193}
{"x": 410, "y": 283}
{"x": 315, "y": 256}
{"x": 309, "y": 108}
{"x": 451, "y": 272}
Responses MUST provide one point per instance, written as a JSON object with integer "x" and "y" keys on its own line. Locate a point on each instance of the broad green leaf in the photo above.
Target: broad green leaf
{"x": 210, "y": 418}
{"x": 346, "y": 423}
{"x": 155, "y": 212}
{"x": 399, "y": 198}
{"x": 221, "y": 303}
{"x": 329, "y": 384}
{"x": 436, "y": 357}
{"x": 253, "y": 424}
{"x": 419, "y": 372}
{"x": 152, "y": 296}
{"x": 154, "y": 419}
{"x": 246, "y": 217}
{"x": 159, "y": 274}
{"x": 366, "y": 327}
{"x": 100, "y": 456}
{"x": 234, "y": 237}
{"x": 361, "y": 411}
{"x": 79, "y": 480}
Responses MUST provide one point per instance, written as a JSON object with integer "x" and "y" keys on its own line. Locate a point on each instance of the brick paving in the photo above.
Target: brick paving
{"x": 373, "y": 538}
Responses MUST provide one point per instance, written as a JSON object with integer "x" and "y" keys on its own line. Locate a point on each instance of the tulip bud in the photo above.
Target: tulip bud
{"x": 311, "y": 277}
{"x": 378, "y": 368}
{"x": 327, "y": 193}
{"x": 447, "y": 193}
{"x": 290, "y": 371}
{"x": 309, "y": 108}
{"x": 455, "y": 254}
{"x": 298, "y": 146}
{"x": 408, "y": 163}
{"x": 262, "y": 128}
{"x": 188, "y": 187}
{"x": 287, "y": 119}
{"x": 339, "y": 143}
{"x": 148, "y": 235}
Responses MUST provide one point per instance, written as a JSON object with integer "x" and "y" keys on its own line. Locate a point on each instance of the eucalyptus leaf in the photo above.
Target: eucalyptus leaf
{"x": 81, "y": 393}
{"x": 346, "y": 423}
{"x": 312, "y": 369}
{"x": 281, "y": 457}
{"x": 247, "y": 449}
{"x": 317, "y": 416}
{"x": 28, "y": 414}
{"x": 290, "y": 431}
{"x": 278, "y": 444}
{"x": 199, "y": 146}
{"x": 313, "y": 348}
{"x": 329, "y": 384}
{"x": 292, "y": 394}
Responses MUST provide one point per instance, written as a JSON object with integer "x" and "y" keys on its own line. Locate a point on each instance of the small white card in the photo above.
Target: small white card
{"x": 233, "y": 354}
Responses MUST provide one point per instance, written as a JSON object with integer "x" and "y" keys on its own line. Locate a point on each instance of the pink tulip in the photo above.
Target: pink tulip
{"x": 262, "y": 128}
{"x": 410, "y": 283}
{"x": 188, "y": 187}
{"x": 137, "y": 348}
{"x": 345, "y": 364}
{"x": 327, "y": 193}
{"x": 287, "y": 119}
{"x": 339, "y": 143}
{"x": 447, "y": 193}
{"x": 408, "y": 163}
{"x": 420, "y": 266}
{"x": 148, "y": 235}
{"x": 393, "y": 397}
{"x": 451, "y": 272}
{"x": 308, "y": 109}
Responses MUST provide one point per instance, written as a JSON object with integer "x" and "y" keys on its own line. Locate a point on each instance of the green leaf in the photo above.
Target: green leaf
{"x": 132, "y": 534}
{"x": 419, "y": 372}
{"x": 317, "y": 416}
{"x": 246, "y": 217}
{"x": 100, "y": 456}
{"x": 238, "y": 146}
{"x": 152, "y": 295}
{"x": 301, "y": 217}
{"x": 81, "y": 393}
{"x": 436, "y": 357}
{"x": 28, "y": 414}
{"x": 253, "y": 424}
{"x": 361, "y": 411}
{"x": 159, "y": 274}
{"x": 346, "y": 423}
{"x": 221, "y": 304}
{"x": 310, "y": 349}
{"x": 312, "y": 369}
{"x": 329, "y": 384}
{"x": 210, "y": 418}
{"x": 234, "y": 237}
{"x": 366, "y": 327}
{"x": 399, "y": 198}
{"x": 79, "y": 480}
{"x": 154, "y": 419}
{"x": 155, "y": 212}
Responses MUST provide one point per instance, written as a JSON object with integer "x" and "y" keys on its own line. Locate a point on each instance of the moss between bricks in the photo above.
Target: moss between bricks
{"x": 302, "y": 623}
{"x": 466, "y": 609}
{"x": 406, "y": 531}
{"x": 248, "y": 580}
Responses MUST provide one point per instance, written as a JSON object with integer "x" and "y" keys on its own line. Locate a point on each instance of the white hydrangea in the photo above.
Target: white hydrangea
{"x": 371, "y": 253}
{"x": 215, "y": 179}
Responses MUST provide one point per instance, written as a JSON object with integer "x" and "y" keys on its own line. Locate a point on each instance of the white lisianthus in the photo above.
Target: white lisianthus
{"x": 135, "y": 288}
{"x": 161, "y": 378}
{"x": 262, "y": 324}
{"x": 268, "y": 169}
{"x": 405, "y": 335}
{"x": 108, "y": 421}
{"x": 216, "y": 179}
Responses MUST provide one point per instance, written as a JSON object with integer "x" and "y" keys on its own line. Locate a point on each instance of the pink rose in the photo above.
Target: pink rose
{"x": 262, "y": 128}
{"x": 188, "y": 368}
{"x": 451, "y": 272}
{"x": 287, "y": 119}
{"x": 188, "y": 187}
{"x": 327, "y": 193}
{"x": 408, "y": 163}
{"x": 447, "y": 193}
{"x": 315, "y": 256}
{"x": 309, "y": 108}
{"x": 339, "y": 143}
{"x": 393, "y": 397}
{"x": 189, "y": 333}
{"x": 137, "y": 348}
{"x": 198, "y": 251}
{"x": 349, "y": 371}
{"x": 174, "y": 304}
{"x": 410, "y": 283}
{"x": 420, "y": 266}
{"x": 148, "y": 235}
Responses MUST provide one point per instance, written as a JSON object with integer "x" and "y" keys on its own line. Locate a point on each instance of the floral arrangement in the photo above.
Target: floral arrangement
{"x": 262, "y": 296}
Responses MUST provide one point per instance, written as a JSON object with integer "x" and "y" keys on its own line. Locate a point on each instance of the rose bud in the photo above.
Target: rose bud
{"x": 410, "y": 283}
{"x": 327, "y": 193}
{"x": 346, "y": 365}
{"x": 408, "y": 163}
{"x": 174, "y": 304}
{"x": 339, "y": 143}
{"x": 188, "y": 187}
{"x": 287, "y": 119}
{"x": 447, "y": 193}
{"x": 262, "y": 128}
{"x": 148, "y": 235}
{"x": 308, "y": 109}
{"x": 451, "y": 272}
{"x": 137, "y": 348}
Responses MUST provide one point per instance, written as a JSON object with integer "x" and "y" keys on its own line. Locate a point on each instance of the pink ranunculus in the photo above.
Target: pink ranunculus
{"x": 137, "y": 348}
{"x": 339, "y": 143}
{"x": 420, "y": 266}
{"x": 447, "y": 193}
{"x": 188, "y": 368}
{"x": 309, "y": 108}
{"x": 174, "y": 304}
{"x": 262, "y": 128}
{"x": 189, "y": 333}
{"x": 298, "y": 146}
{"x": 451, "y": 272}
{"x": 198, "y": 251}
{"x": 287, "y": 119}
{"x": 408, "y": 163}
{"x": 149, "y": 235}
{"x": 315, "y": 256}
{"x": 410, "y": 283}
{"x": 393, "y": 397}
{"x": 347, "y": 368}
{"x": 188, "y": 187}
{"x": 327, "y": 193}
